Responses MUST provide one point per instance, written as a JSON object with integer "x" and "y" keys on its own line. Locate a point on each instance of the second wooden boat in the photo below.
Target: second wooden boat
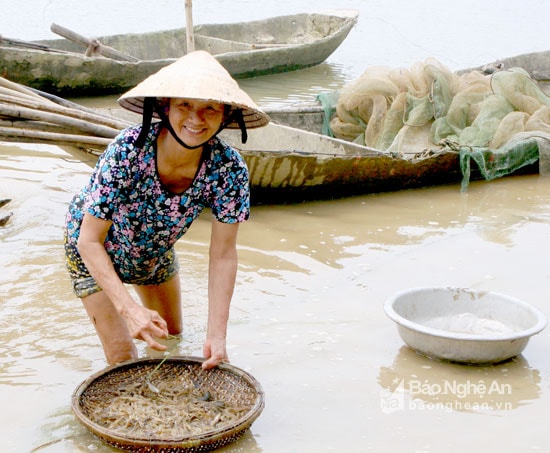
{"x": 245, "y": 49}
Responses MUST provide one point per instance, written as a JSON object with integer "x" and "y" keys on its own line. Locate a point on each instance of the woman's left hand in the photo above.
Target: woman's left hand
{"x": 215, "y": 353}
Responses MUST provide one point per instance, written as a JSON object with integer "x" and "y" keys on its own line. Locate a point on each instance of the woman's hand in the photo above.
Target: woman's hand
{"x": 142, "y": 323}
{"x": 222, "y": 270}
{"x": 215, "y": 353}
{"x": 146, "y": 325}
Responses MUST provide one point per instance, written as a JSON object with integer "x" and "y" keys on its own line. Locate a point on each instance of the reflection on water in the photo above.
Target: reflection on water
{"x": 294, "y": 87}
{"x": 77, "y": 439}
{"x": 329, "y": 232}
{"x": 415, "y": 382}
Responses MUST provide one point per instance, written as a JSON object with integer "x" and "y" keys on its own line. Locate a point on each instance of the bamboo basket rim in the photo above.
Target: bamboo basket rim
{"x": 214, "y": 438}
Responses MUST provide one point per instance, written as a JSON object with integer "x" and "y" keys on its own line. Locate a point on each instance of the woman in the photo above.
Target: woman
{"x": 148, "y": 186}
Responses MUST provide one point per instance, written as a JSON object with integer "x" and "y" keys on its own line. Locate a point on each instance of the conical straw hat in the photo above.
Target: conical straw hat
{"x": 197, "y": 75}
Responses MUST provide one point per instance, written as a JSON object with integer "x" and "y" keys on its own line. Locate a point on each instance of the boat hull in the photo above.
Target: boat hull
{"x": 289, "y": 165}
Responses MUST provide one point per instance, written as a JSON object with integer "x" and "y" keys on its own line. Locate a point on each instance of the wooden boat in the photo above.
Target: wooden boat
{"x": 246, "y": 49}
{"x": 290, "y": 160}
{"x": 287, "y": 164}
{"x": 297, "y": 164}
{"x": 537, "y": 64}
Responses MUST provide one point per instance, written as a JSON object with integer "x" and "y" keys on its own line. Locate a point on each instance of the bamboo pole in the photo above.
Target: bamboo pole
{"x": 189, "y": 26}
{"x": 24, "y": 44}
{"x": 65, "y": 111}
{"x": 109, "y": 119}
{"x": 40, "y": 126}
{"x": 18, "y": 88}
{"x": 10, "y": 42}
{"x": 27, "y": 136}
{"x": 15, "y": 89}
{"x": 32, "y": 114}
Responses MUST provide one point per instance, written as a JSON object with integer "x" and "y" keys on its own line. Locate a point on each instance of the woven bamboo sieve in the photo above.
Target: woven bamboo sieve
{"x": 226, "y": 383}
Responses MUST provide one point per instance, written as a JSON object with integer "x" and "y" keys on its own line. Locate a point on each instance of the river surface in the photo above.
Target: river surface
{"x": 307, "y": 317}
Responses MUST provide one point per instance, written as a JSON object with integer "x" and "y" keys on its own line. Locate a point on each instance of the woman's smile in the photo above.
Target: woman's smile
{"x": 192, "y": 130}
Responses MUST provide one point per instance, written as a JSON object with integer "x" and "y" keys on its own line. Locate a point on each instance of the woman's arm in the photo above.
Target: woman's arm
{"x": 222, "y": 271}
{"x": 142, "y": 323}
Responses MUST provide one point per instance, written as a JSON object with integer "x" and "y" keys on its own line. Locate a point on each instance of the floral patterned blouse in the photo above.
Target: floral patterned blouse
{"x": 148, "y": 219}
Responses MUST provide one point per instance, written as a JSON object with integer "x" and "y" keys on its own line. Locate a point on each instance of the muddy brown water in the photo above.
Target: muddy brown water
{"x": 307, "y": 319}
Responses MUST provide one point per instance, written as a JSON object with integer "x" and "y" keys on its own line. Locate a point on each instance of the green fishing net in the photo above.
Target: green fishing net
{"x": 494, "y": 163}
{"x": 491, "y": 119}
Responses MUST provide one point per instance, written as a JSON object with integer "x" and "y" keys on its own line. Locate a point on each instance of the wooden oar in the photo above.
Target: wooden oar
{"x": 93, "y": 45}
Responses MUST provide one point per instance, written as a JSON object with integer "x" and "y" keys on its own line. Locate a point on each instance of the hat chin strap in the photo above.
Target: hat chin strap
{"x": 148, "y": 104}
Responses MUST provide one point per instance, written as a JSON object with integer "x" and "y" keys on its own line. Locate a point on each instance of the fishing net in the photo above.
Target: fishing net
{"x": 492, "y": 119}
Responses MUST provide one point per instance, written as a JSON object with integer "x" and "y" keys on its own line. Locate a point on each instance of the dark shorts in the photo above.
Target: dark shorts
{"x": 84, "y": 284}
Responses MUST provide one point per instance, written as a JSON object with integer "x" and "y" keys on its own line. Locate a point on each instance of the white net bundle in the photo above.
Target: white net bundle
{"x": 428, "y": 107}
{"x": 389, "y": 108}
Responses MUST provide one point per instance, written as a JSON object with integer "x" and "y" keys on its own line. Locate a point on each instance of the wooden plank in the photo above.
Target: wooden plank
{"x": 93, "y": 46}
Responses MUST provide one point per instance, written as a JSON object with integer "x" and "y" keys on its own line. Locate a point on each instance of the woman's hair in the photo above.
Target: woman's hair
{"x": 163, "y": 104}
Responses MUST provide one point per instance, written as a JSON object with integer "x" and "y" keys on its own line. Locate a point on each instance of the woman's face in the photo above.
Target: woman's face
{"x": 195, "y": 121}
